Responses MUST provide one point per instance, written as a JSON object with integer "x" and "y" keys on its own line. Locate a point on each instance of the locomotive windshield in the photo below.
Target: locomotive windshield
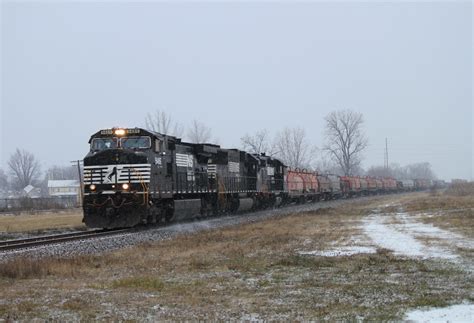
{"x": 103, "y": 143}
{"x": 135, "y": 142}
{"x": 98, "y": 144}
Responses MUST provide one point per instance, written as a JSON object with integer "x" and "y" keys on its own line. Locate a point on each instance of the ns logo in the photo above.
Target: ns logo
{"x": 111, "y": 175}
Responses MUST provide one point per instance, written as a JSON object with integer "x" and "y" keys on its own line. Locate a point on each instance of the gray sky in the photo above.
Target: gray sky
{"x": 69, "y": 69}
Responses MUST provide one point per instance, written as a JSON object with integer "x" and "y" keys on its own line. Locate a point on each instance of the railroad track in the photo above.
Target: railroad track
{"x": 56, "y": 238}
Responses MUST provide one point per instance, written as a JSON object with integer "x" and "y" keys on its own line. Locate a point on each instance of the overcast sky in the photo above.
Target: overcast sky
{"x": 69, "y": 69}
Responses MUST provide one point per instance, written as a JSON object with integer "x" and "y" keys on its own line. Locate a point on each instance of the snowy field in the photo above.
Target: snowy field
{"x": 406, "y": 236}
{"x": 388, "y": 258}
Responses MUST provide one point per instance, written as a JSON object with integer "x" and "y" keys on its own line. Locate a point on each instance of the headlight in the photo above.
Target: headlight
{"x": 119, "y": 132}
{"x": 92, "y": 187}
{"x": 125, "y": 186}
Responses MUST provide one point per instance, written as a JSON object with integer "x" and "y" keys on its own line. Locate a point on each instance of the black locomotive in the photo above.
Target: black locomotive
{"x": 134, "y": 176}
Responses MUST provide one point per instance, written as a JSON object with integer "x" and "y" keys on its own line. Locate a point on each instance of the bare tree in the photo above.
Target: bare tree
{"x": 324, "y": 165}
{"x": 3, "y": 180}
{"x": 199, "y": 133}
{"x": 345, "y": 139}
{"x": 293, "y": 147}
{"x": 258, "y": 143}
{"x": 411, "y": 171}
{"x": 24, "y": 167}
{"x": 380, "y": 171}
{"x": 420, "y": 170}
{"x": 162, "y": 122}
{"x": 62, "y": 173}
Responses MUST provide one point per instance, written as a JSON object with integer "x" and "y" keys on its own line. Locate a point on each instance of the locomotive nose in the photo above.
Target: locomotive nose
{"x": 112, "y": 170}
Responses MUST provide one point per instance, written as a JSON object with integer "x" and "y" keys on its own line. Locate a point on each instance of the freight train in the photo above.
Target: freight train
{"x": 135, "y": 176}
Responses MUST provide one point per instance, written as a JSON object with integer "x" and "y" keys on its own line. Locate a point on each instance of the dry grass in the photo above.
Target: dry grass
{"x": 461, "y": 189}
{"x": 229, "y": 273}
{"x": 146, "y": 283}
{"x": 447, "y": 211}
{"x": 461, "y": 221}
{"x": 27, "y": 268}
{"x": 43, "y": 221}
{"x": 439, "y": 203}
{"x": 21, "y": 268}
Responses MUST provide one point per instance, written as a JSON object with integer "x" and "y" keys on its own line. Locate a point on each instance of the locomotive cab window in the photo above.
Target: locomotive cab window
{"x": 135, "y": 142}
{"x": 103, "y": 144}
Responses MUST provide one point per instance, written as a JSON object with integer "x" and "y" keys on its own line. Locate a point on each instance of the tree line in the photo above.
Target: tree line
{"x": 342, "y": 152}
{"x": 24, "y": 169}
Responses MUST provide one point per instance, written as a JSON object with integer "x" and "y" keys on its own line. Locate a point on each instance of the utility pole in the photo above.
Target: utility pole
{"x": 386, "y": 153}
{"x": 78, "y": 162}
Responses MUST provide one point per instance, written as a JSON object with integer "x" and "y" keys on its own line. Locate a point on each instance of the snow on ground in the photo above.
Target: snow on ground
{"x": 455, "y": 313}
{"x": 342, "y": 251}
{"x": 430, "y": 231}
{"x": 401, "y": 239}
{"x": 401, "y": 233}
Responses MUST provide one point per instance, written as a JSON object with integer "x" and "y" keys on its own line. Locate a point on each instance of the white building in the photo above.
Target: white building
{"x": 63, "y": 187}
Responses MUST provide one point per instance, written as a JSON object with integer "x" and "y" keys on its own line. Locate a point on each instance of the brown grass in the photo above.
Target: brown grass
{"x": 21, "y": 268}
{"x": 43, "y": 221}
{"x": 147, "y": 283}
{"x": 460, "y": 221}
{"x": 447, "y": 211}
{"x": 27, "y": 268}
{"x": 439, "y": 203}
{"x": 461, "y": 189}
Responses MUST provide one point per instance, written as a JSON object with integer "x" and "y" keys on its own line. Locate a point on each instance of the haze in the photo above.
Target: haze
{"x": 70, "y": 69}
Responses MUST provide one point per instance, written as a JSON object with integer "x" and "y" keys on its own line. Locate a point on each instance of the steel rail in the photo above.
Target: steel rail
{"x": 49, "y": 239}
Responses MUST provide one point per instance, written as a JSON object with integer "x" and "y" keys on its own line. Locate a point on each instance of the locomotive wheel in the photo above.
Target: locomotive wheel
{"x": 203, "y": 212}
{"x": 302, "y": 200}
{"x": 153, "y": 213}
{"x": 235, "y": 204}
{"x": 169, "y": 212}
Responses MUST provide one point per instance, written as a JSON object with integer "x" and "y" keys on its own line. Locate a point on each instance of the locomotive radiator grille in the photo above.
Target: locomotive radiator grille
{"x": 111, "y": 174}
